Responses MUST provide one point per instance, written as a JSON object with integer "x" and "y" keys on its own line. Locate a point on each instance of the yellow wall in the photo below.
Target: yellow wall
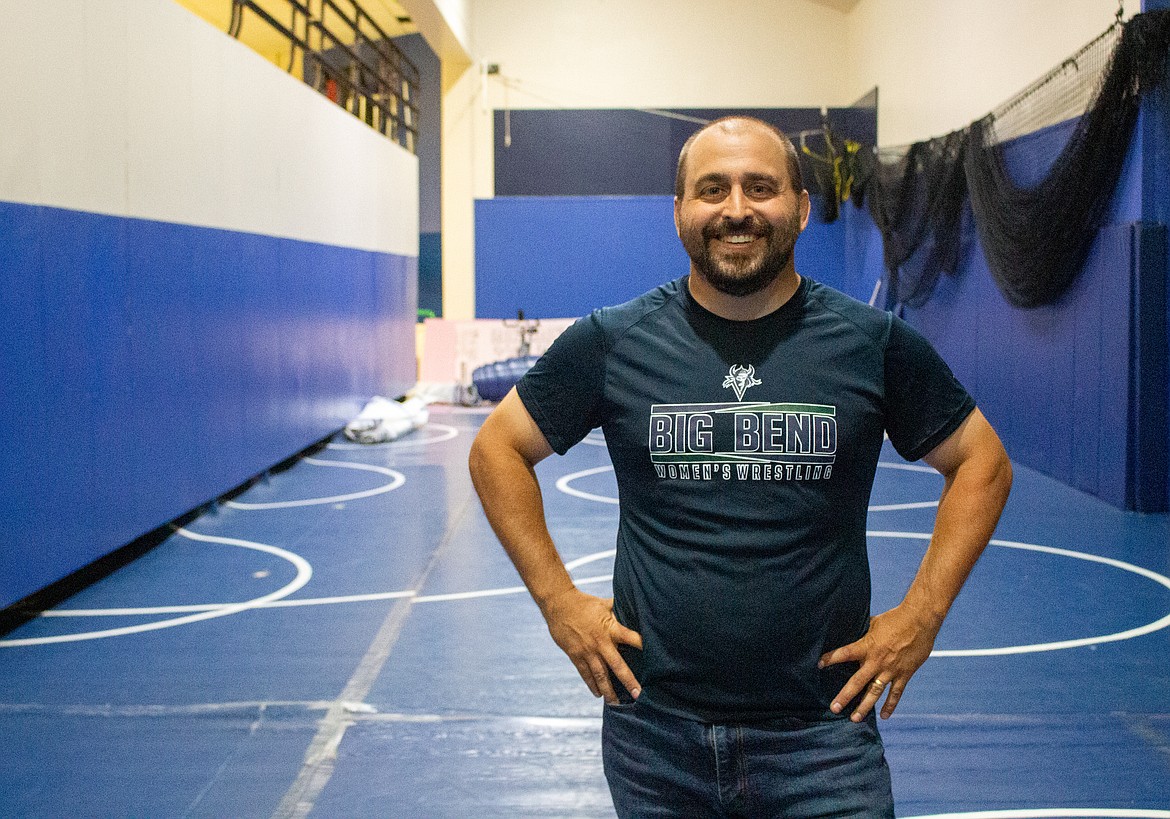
{"x": 255, "y": 32}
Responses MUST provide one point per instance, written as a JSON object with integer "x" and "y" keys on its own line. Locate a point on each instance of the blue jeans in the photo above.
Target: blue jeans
{"x": 661, "y": 765}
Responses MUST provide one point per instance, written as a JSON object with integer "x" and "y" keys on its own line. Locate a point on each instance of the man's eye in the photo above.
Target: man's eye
{"x": 710, "y": 191}
{"x": 759, "y": 190}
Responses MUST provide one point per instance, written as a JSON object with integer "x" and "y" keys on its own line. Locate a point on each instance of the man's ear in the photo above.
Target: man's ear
{"x": 677, "y": 228}
{"x": 805, "y": 209}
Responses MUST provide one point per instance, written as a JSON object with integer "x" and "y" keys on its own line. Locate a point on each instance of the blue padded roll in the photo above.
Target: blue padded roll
{"x": 492, "y": 381}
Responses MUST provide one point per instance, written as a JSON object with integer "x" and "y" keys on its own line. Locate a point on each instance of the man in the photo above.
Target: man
{"x": 744, "y": 409}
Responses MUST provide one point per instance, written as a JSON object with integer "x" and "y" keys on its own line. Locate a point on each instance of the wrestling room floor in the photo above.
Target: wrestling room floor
{"x": 347, "y": 639}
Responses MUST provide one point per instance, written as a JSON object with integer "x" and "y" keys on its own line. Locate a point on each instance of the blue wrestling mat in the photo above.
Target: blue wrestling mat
{"x": 347, "y": 639}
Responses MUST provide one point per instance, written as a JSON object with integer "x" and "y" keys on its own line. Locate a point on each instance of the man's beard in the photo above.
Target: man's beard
{"x": 742, "y": 276}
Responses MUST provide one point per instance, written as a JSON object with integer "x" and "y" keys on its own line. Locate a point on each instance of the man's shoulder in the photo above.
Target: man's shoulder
{"x": 615, "y": 320}
{"x": 869, "y": 320}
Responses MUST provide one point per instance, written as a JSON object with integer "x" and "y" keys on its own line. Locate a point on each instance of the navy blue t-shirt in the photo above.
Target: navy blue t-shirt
{"x": 744, "y": 454}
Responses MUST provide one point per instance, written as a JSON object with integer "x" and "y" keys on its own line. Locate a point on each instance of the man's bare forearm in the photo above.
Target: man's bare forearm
{"x": 502, "y": 469}
{"x": 968, "y": 511}
{"x": 508, "y": 489}
{"x": 978, "y": 478}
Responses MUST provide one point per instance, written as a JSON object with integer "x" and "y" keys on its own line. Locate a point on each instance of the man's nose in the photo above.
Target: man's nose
{"x": 736, "y": 206}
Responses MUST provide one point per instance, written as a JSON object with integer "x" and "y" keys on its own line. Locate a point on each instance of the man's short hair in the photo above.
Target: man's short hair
{"x": 794, "y": 174}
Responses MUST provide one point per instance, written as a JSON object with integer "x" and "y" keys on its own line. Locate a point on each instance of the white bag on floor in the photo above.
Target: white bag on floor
{"x": 385, "y": 420}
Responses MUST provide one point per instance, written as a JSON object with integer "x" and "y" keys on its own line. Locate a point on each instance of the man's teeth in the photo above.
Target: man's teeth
{"x": 738, "y": 240}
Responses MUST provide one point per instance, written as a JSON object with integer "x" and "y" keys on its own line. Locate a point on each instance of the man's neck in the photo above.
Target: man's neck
{"x": 744, "y": 308}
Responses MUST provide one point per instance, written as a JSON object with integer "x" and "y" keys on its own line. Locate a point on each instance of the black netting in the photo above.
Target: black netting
{"x": 916, "y": 200}
{"x": 1035, "y": 236}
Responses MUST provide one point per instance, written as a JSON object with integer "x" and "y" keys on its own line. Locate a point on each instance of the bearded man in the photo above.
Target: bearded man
{"x": 744, "y": 408}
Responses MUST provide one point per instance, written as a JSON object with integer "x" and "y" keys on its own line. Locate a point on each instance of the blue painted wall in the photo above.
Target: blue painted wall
{"x": 149, "y": 367}
{"x": 624, "y": 152}
{"x": 563, "y": 256}
{"x": 583, "y": 215}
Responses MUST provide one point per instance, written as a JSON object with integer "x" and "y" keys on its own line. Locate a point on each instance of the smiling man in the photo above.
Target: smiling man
{"x": 740, "y": 236}
{"x": 744, "y": 408}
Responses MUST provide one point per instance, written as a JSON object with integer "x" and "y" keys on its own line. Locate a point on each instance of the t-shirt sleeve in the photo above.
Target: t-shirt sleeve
{"x": 925, "y": 403}
{"x": 564, "y": 390}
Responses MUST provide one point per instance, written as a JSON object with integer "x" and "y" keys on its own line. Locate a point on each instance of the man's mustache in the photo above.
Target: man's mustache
{"x": 737, "y": 227}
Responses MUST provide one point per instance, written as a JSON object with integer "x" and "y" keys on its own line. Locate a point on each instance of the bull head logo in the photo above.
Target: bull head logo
{"x": 739, "y": 378}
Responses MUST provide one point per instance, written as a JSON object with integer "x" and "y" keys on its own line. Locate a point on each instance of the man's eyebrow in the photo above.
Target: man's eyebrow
{"x": 762, "y": 177}
{"x": 710, "y": 177}
{"x": 748, "y": 177}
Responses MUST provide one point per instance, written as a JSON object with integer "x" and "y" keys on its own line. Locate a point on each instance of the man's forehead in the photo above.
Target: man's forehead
{"x": 741, "y": 144}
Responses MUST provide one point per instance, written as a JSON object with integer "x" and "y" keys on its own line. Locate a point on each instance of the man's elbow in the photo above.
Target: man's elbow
{"x": 478, "y": 460}
{"x": 494, "y": 451}
{"x": 983, "y": 469}
{"x": 1005, "y": 476}
{"x": 999, "y": 474}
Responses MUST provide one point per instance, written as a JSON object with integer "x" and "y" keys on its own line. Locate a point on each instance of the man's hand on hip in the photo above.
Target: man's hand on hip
{"x": 585, "y": 629}
{"x": 896, "y": 645}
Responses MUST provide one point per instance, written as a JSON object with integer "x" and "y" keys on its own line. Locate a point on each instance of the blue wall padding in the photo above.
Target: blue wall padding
{"x": 1154, "y": 142}
{"x": 626, "y": 152}
{"x": 150, "y": 367}
{"x": 563, "y": 256}
{"x": 1076, "y": 389}
{"x": 864, "y": 265}
{"x": 1053, "y": 380}
{"x": 1149, "y": 455}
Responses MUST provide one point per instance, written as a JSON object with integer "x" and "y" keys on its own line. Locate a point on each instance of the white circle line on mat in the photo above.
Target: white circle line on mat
{"x": 275, "y": 599}
{"x": 396, "y": 480}
{"x": 304, "y": 571}
{"x": 442, "y": 598}
{"x": 1080, "y": 642}
{"x": 564, "y": 484}
{"x": 274, "y": 604}
{"x": 326, "y": 601}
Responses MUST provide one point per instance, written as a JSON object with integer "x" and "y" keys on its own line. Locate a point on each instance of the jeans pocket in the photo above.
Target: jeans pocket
{"x": 622, "y": 705}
